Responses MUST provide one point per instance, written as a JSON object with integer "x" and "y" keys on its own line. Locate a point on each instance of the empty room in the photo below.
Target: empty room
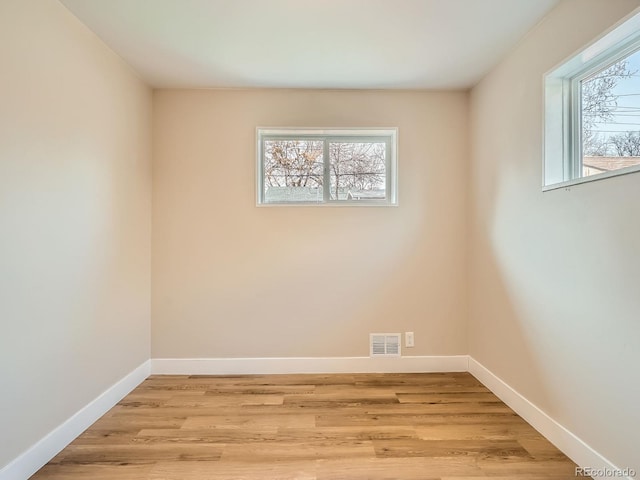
{"x": 319, "y": 239}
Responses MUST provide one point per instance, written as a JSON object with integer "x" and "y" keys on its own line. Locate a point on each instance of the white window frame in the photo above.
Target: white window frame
{"x": 389, "y": 136}
{"x": 563, "y": 105}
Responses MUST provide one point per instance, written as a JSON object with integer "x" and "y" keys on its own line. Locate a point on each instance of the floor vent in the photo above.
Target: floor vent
{"x": 384, "y": 344}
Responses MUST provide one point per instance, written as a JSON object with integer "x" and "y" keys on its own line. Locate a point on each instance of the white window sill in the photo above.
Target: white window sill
{"x": 328, "y": 204}
{"x": 591, "y": 178}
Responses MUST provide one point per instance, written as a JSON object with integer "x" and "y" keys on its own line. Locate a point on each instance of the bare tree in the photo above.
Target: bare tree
{"x": 599, "y": 102}
{"x": 356, "y": 166}
{"x": 626, "y": 144}
{"x": 293, "y": 163}
{"x": 595, "y": 144}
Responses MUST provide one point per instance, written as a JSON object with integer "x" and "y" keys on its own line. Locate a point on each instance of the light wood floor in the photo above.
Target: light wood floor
{"x": 362, "y": 426}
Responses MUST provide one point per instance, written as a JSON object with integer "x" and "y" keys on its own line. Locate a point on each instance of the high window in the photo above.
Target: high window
{"x": 331, "y": 167}
{"x": 592, "y": 111}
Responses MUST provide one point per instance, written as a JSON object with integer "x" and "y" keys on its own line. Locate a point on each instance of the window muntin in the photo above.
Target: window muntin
{"x": 337, "y": 167}
{"x": 589, "y": 99}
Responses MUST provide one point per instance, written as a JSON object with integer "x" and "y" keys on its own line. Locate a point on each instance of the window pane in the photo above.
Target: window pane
{"x": 357, "y": 170}
{"x": 293, "y": 171}
{"x": 611, "y": 117}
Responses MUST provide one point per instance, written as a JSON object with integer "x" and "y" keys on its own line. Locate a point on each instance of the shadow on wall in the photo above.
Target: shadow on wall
{"x": 554, "y": 295}
{"x": 500, "y": 326}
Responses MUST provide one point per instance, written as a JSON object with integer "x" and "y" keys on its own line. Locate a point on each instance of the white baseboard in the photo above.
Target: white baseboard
{"x": 571, "y": 445}
{"x": 48, "y": 447}
{"x": 39, "y": 454}
{"x": 238, "y": 366}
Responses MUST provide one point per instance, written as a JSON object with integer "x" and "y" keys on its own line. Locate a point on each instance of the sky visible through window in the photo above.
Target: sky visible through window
{"x": 625, "y": 111}
{"x": 611, "y": 117}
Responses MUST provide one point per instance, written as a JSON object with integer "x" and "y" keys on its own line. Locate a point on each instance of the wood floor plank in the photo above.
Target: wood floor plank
{"x": 517, "y": 467}
{"x": 227, "y": 400}
{"x": 99, "y": 436}
{"x": 249, "y": 421}
{"x": 500, "y": 431}
{"x": 308, "y": 450}
{"x": 345, "y": 433}
{"x": 540, "y": 448}
{"x": 133, "y": 454}
{"x": 519, "y": 477}
{"x": 93, "y": 472}
{"x": 133, "y": 422}
{"x": 448, "y": 397}
{"x": 408, "y": 419}
{"x": 241, "y": 470}
{"x": 260, "y": 389}
{"x": 443, "y": 408}
{"x": 441, "y": 426}
{"x": 449, "y": 448}
{"x": 207, "y": 435}
{"x": 413, "y": 468}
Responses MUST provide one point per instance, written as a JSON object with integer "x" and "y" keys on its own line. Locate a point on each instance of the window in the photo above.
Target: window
{"x": 592, "y": 111}
{"x": 331, "y": 167}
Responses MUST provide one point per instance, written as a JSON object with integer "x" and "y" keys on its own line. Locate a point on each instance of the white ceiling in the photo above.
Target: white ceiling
{"x": 433, "y": 44}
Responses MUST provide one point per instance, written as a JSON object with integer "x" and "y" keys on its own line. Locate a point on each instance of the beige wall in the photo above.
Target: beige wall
{"x": 74, "y": 220}
{"x": 546, "y": 314}
{"x": 234, "y": 280}
{"x": 554, "y": 304}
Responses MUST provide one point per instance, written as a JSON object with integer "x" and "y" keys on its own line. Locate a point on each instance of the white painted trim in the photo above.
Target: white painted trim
{"x": 567, "y": 442}
{"x": 48, "y": 447}
{"x": 592, "y": 178}
{"x": 326, "y": 135}
{"x": 44, "y": 450}
{"x": 236, "y": 366}
{"x": 563, "y": 156}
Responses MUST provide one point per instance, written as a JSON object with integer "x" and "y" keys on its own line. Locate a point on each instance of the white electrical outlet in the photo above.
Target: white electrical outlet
{"x": 409, "y": 340}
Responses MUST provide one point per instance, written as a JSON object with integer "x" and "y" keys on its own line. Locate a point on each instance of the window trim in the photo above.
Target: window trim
{"x": 562, "y": 119}
{"x": 333, "y": 135}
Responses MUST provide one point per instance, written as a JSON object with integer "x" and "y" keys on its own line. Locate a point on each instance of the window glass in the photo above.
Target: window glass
{"x": 293, "y": 170}
{"x": 611, "y": 117}
{"x": 307, "y": 166}
{"x": 357, "y": 170}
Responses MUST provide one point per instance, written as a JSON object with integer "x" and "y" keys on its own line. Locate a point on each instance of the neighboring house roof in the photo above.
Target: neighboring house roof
{"x": 606, "y": 164}
{"x": 314, "y": 194}
{"x": 367, "y": 195}
{"x": 293, "y": 194}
